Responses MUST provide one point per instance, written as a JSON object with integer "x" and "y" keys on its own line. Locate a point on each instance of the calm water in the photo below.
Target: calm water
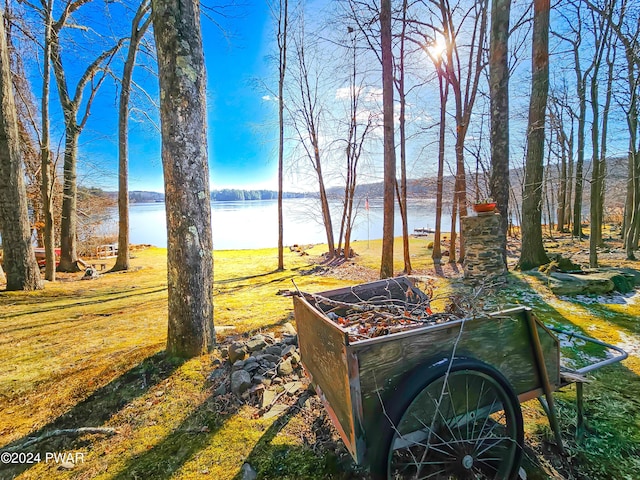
{"x": 254, "y": 224}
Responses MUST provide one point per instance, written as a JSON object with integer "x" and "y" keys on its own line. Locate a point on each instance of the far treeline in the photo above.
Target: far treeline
{"x": 224, "y": 195}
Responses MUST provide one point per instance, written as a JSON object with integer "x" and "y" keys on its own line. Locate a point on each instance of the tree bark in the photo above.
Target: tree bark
{"x": 386, "y": 263}
{"x": 533, "y": 253}
{"x": 20, "y": 264}
{"x": 499, "y": 92}
{"x": 69, "y": 221}
{"x": 443, "y": 88}
{"x": 283, "y": 23}
{"x": 138, "y": 29}
{"x": 48, "y": 173}
{"x": 402, "y": 188}
{"x": 186, "y": 176}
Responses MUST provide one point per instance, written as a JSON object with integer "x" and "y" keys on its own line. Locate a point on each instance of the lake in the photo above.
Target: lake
{"x": 254, "y": 224}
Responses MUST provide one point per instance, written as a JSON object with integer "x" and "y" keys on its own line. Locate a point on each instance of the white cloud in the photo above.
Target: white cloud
{"x": 373, "y": 95}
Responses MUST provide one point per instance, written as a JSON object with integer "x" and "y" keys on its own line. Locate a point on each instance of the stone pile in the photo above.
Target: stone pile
{"x": 263, "y": 369}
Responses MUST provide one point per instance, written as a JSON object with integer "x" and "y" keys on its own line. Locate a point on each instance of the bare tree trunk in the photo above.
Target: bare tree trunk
{"x": 570, "y": 177}
{"x": 20, "y": 264}
{"x": 444, "y": 92}
{"x": 533, "y": 253}
{"x": 307, "y": 119}
{"x": 184, "y": 158}
{"x": 581, "y": 87}
{"x": 68, "y": 224}
{"x": 611, "y": 54}
{"x": 48, "y": 173}
{"x": 401, "y": 189}
{"x": 386, "y": 263}
{"x": 138, "y": 29}
{"x": 283, "y": 23}
{"x": 499, "y": 92}
{"x": 597, "y": 180}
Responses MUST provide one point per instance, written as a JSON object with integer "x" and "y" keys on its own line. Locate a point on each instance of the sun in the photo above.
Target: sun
{"x": 437, "y": 48}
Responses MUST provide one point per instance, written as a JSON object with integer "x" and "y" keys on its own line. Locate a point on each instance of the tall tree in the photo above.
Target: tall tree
{"x": 92, "y": 77}
{"x": 532, "y": 253}
{"x": 499, "y": 98}
{"x": 20, "y": 264}
{"x": 575, "y": 38}
{"x": 139, "y": 27}
{"x": 183, "y": 112}
{"x": 401, "y": 187}
{"x": 357, "y": 132}
{"x": 386, "y": 263}
{"x": 463, "y": 66}
{"x": 601, "y": 35}
{"x": 306, "y": 111}
{"x": 47, "y": 169}
{"x": 443, "y": 89}
{"x": 282, "y": 15}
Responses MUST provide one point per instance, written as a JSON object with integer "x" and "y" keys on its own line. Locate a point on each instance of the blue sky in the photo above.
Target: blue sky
{"x": 241, "y": 125}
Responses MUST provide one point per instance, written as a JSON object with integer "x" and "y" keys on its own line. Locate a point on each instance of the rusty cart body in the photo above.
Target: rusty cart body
{"x": 439, "y": 401}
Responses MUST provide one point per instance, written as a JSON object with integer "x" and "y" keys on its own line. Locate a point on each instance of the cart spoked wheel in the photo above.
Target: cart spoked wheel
{"x": 460, "y": 422}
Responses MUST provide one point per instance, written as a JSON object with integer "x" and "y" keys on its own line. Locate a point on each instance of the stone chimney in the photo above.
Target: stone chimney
{"x": 483, "y": 259}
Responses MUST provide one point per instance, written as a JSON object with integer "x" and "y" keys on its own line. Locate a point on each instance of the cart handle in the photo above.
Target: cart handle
{"x": 590, "y": 368}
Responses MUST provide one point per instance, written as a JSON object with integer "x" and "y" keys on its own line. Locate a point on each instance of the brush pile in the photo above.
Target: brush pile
{"x": 389, "y": 310}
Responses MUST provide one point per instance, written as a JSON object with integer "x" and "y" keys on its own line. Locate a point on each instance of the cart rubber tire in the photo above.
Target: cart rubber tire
{"x": 481, "y": 438}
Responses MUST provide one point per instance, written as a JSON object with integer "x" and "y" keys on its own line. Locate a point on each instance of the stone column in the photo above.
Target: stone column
{"x": 483, "y": 259}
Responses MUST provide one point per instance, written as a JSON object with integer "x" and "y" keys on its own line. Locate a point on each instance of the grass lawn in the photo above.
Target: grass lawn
{"x": 91, "y": 354}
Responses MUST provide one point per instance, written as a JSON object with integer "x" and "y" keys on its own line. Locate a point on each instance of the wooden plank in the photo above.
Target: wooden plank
{"x": 323, "y": 351}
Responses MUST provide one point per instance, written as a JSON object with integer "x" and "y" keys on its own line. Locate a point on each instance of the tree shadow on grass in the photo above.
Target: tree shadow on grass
{"x": 179, "y": 446}
{"x": 312, "y": 459}
{"x": 96, "y": 409}
{"x": 99, "y": 299}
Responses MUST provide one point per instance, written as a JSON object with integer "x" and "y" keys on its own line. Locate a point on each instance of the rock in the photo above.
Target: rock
{"x": 270, "y": 358}
{"x": 251, "y": 366}
{"x": 267, "y": 398}
{"x": 288, "y": 328}
{"x": 276, "y": 411}
{"x": 221, "y": 390}
{"x": 248, "y": 473}
{"x": 274, "y": 350}
{"x": 295, "y": 358}
{"x": 306, "y": 403}
{"x": 238, "y": 365}
{"x": 67, "y": 465}
{"x": 290, "y": 339}
{"x": 293, "y": 387}
{"x": 288, "y": 351}
{"x": 258, "y": 379}
{"x": 257, "y": 342}
{"x": 570, "y": 284}
{"x": 217, "y": 373}
{"x": 285, "y": 368}
{"x": 237, "y": 351}
{"x": 240, "y": 381}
